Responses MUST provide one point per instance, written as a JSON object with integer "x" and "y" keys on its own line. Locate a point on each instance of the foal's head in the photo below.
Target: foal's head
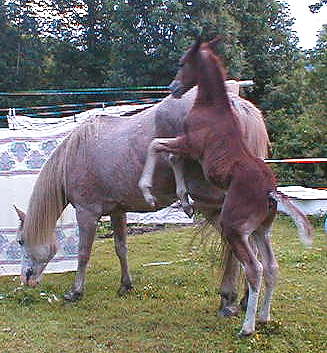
{"x": 188, "y": 73}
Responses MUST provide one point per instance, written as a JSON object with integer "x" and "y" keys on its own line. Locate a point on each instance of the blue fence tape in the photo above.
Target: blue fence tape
{"x": 86, "y": 91}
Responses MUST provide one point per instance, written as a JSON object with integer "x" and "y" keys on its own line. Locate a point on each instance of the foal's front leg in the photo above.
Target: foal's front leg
{"x": 171, "y": 146}
{"x": 145, "y": 182}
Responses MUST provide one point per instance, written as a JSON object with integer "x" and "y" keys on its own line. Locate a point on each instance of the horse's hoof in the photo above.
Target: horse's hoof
{"x": 229, "y": 311}
{"x": 189, "y": 210}
{"x": 72, "y": 296}
{"x": 125, "y": 289}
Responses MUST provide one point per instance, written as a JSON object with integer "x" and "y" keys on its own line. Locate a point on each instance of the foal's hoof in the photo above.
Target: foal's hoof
{"x": 72, "y": 296}
{"x": 125, "y": 289}
{"x": 229, "y": 311}
{"x": 150, "y": 199}
{"x": 245, "y": 333}
{"x": 263, "y": 320}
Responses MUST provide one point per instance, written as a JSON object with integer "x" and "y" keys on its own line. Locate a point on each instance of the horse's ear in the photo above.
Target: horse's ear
{"x": 214, "y": 42}
{"x": 20, "y": 213}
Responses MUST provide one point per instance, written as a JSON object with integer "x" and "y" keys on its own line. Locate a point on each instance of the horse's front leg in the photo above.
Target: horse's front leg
{"x": 87, "y": 223}
{"x": 177, "y": 164}
{"x": 118, "y": 221}
{"x": 146, "y": 181}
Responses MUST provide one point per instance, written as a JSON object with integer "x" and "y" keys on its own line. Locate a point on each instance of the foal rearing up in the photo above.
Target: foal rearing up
{"x": 212, "y": 136}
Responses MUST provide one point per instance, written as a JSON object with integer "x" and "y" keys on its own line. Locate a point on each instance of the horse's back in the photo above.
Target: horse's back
{"x": 106, "y": 167}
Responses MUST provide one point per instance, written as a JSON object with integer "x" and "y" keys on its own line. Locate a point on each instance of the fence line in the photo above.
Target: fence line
{"x": 86, "y": 91}
{"x": 101, "y": 104}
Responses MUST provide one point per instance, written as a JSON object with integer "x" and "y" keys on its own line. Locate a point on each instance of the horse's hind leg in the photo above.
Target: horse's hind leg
{"x": 177, "y": 163}
{"x": 270, "y": 270}
{"x": 87, "y": 223}
{"x": 230, "y": 279}
{"x": 118, "y": 221}
{"x": 229, "y": 284}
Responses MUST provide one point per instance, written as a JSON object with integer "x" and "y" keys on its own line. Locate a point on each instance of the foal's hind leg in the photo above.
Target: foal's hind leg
{"x": 270, "y": 270}
{"x": 118, "y": 221}
{"x": 253, "y": 272}
{"x": 87, "y": 223}
{"x": 244, "y": 299}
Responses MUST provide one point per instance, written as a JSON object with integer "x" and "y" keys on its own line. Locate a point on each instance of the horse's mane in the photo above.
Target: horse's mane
{"x": 252, "y": 125}
{"x": 49, "y": 196}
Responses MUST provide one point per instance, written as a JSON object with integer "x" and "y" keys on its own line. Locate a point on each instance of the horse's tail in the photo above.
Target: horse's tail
{"x": 305, "y": 230}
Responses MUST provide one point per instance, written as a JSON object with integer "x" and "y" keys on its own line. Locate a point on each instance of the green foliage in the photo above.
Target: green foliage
{"x": 317, "y": 6}
{"x": 83, "y": 43}
{"x": 299, "y": 130}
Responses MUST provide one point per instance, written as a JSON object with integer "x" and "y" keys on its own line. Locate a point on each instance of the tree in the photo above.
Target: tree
{"x": 301, "y": 134}
{"x": 317, "y": 6}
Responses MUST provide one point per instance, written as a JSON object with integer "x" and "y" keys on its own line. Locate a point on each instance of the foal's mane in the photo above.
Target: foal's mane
{"x": 211, "y": 76}
{"x": 214, "y": 58}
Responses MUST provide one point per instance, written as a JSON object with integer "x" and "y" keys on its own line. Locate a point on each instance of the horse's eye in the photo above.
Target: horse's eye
{"x": 20, "y": 242}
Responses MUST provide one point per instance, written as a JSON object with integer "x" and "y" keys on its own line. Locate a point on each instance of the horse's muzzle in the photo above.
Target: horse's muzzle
{"x": 28, "y": 280}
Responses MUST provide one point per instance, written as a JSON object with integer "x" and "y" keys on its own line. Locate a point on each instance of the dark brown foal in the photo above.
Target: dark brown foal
{"x": 212, "y": 136}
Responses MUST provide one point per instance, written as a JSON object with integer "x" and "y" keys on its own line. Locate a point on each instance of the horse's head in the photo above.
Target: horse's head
{"x": 187, "y": 75}
{"x": 34, "y": 257}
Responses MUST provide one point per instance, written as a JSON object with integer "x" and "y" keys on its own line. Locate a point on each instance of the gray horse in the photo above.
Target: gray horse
{"x": 97, "y": 169}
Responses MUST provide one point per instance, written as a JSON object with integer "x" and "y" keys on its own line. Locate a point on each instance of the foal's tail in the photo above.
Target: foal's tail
{"x": 305, "y": 230}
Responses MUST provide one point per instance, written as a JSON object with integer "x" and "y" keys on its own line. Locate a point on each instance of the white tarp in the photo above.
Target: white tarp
{"x": 310, "y": 201}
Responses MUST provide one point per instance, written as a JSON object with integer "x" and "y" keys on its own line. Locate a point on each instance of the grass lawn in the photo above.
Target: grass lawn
{"x": 173, "y": 307}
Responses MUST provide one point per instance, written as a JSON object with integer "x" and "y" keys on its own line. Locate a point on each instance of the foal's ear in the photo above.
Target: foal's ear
{"x": 21, "y": 214}
{"x": 214, "y": 42}
{"x": 192, "y": 50}
{"x": 195, "y": 46}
